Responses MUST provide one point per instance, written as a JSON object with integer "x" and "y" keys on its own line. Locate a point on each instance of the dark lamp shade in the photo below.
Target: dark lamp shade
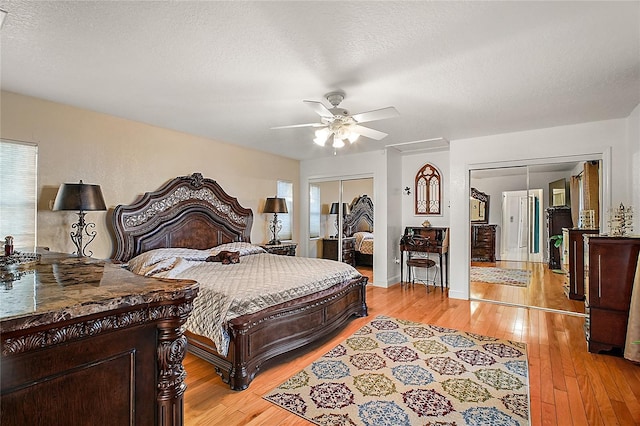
{"x": 275, "y": 205}
{"x": 335, "y": 209}
{"x": 79, "y": 196}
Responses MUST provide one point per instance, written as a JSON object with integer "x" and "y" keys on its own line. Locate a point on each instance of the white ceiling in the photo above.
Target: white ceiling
{"x": 230, "y": 71}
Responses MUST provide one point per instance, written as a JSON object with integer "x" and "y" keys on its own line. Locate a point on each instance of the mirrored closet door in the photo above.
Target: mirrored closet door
{"x": 527, "y": 209}
{"x": 341, "y": 215}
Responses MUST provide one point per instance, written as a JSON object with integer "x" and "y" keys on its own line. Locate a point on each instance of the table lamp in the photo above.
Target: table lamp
{"x": 275, "y": 205}
{"x": 335, "y": 209}
{"x": 81, "y": 197}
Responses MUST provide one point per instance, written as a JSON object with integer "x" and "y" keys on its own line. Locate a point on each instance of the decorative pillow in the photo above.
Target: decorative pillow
{"x": 163, "y": 259}
{"x": 243, "y": 248}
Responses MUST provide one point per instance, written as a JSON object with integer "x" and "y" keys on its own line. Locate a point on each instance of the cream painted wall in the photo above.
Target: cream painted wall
{"x": 128, "y": 158}
{"x": 605, "y": 138}
{"x": 354, "y": 188}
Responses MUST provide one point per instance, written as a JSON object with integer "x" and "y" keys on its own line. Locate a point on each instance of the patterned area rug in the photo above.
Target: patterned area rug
{"x": 517, "y": 277}
{"x": 396, "y": 372}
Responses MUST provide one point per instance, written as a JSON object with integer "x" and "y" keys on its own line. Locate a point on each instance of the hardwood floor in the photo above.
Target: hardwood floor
{"x": 568, "y": 385}
{"x": 544, "y": 291}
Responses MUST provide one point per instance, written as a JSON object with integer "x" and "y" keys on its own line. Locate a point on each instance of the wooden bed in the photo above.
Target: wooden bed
{"x": 360, "y": 219}
{"x": 195, "y": 212}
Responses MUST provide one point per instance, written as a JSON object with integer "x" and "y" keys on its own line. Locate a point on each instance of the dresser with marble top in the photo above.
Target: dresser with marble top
{"x": 85, "y": 341}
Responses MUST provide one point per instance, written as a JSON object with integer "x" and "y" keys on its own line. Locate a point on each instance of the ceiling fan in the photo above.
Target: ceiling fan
{"x": 337, "y": 122}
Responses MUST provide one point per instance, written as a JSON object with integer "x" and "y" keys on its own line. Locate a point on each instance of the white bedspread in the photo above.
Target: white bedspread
{"x": 257, "y": 282}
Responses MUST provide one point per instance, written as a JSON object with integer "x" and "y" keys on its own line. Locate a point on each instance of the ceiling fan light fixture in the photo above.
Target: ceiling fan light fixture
{"x": 322, "y": 135}
{"x": 338, "y": 124}
{"x": 319, "y": 141}
{"x": 337, "y": 142}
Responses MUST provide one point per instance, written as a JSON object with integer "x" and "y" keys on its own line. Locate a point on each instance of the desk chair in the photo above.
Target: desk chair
{"x": 421, "y": 260}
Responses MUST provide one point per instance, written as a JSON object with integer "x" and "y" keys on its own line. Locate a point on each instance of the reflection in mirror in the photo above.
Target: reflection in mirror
{"x": 559, "y": 193}
{"x": 479, "y": 208}
{"x": 323, "y": 220}
{"x": 528, "y": 196}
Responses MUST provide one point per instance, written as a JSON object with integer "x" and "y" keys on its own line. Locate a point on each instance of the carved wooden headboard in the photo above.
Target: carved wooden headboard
{"x": 188, "y": 211}
{"x": 361, "y": 217}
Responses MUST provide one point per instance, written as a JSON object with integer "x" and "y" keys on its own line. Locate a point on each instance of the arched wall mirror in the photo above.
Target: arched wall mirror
{"x": 428, "y": 191}
{"x": 528, "y": 205}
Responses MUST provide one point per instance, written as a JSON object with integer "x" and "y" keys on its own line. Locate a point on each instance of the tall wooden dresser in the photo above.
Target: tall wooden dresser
{"x": 557, "y": 219}
{"x": 483, "y": 243}
{"x": 611, "y": 264}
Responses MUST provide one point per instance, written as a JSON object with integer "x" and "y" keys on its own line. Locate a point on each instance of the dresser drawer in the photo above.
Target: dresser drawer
{"x": 330, "y": 249}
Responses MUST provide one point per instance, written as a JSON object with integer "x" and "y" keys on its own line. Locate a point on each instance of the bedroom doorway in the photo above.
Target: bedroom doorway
{"x": 330, "y": 202}
{"x": 519, "y": 198}
{"x": 522, "y": 223}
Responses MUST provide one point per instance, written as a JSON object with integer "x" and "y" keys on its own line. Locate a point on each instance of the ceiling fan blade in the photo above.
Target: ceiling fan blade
{"x": 377, "y": 114}
{"x": 299, "y": 125}
{"x": 319, "y": 108}
{"x": 370, "y": 133}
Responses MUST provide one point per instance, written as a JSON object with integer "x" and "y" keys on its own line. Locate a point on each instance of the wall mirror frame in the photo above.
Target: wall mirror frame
{"x": 428, "y": 191}
{"x": 559, "y": 194}
{"x": 479, "y": 206}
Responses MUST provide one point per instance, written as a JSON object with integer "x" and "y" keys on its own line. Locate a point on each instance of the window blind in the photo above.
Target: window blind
{"x": 314, "y": 211}
{"x": 285, "y": 190}
{"x": 18, "y": 192}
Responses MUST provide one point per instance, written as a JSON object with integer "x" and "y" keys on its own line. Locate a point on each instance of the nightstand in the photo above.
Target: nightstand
{"x": 330, "y": 249}
{"x": 283, "y": 249}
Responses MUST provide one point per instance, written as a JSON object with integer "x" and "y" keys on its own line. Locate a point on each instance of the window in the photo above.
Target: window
{"x": 314, "y": 211}
{"x": 18, "y": 190}
{"x": 428, "y": 191}
{"x": 285, "y": 190}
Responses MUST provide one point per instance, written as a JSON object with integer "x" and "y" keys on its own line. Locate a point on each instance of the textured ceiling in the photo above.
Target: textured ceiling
{"x": 230, "y": 71}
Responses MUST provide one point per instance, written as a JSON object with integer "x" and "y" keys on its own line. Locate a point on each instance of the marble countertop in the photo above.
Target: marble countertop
{"x": 62, "y": 287}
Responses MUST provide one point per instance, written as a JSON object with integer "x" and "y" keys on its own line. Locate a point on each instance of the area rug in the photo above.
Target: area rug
{"x": 516, "y": 277}
{"x": 396, "y": 372}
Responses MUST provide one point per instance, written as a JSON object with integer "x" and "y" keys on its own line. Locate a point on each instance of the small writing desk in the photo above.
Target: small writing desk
{"x": 438, "y": 243}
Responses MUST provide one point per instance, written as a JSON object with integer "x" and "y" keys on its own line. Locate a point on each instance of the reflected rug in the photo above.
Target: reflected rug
{"x": 397, "y": 372}
{"x": 516, "y": 277}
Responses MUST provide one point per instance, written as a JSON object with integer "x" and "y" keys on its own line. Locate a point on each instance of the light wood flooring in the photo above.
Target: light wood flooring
{"x": 568, "y": 385}
{"x": 544, "y": 291}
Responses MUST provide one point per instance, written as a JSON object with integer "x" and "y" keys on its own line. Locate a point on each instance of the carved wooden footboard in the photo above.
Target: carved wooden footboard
{"x": 258, "y": 337}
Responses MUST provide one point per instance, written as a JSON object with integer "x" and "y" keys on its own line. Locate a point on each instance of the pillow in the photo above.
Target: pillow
{"x": 243, "y": 248}
{"x": 163, "y": 259}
